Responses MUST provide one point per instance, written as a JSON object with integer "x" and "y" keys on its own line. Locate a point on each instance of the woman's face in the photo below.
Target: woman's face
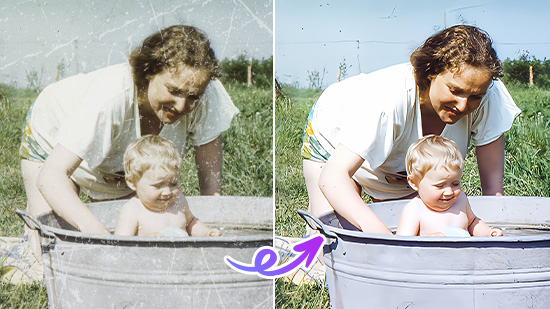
{"x": 456, "y": 94}
{"x": 172, "y": 94}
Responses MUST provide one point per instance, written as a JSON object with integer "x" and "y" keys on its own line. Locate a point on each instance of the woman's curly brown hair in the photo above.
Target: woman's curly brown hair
{"x": 170, "y": 48}
{"x": 450, "y": 49}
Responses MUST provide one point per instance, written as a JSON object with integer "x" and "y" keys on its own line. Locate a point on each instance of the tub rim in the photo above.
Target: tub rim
{"x": 331, "y": 232}
{"x": 50, "y": 232}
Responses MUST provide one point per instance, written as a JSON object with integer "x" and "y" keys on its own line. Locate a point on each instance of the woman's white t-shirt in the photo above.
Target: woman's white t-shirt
{"x": 377, "y": 116}
{"x": 95, "y": 116}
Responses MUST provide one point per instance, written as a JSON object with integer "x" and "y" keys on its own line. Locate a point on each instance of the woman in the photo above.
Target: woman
{"x": 359, "y": 130}
{"x": 77, "y": 130}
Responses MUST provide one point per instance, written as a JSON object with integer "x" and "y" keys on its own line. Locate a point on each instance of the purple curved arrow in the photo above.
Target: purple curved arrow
{"x": 267, "y": 267}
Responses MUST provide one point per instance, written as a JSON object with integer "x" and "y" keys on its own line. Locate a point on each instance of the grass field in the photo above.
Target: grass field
{"x": 527, "y": 170}
{"x": 247, "y": 166}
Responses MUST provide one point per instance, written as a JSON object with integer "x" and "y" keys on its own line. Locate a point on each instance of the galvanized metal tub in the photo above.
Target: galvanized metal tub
{"x": 366, "y": 270}
{"x": 107, "y": 271}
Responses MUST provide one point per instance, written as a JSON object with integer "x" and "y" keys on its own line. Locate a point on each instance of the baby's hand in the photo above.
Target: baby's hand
{"x": 214, "y": 232}
{"x": 496, "y": 232}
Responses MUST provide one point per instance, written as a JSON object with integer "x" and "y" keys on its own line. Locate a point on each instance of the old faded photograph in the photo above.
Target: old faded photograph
{"x": 136, "y": 152}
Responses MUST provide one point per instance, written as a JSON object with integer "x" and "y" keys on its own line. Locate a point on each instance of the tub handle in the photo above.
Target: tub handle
{"x": 315, "y": 223}
{"x": 33, "y": 223}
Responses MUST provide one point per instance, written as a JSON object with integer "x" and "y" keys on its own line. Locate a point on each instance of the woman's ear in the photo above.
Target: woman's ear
{"x": 130, "y": 183}
{"x": 412, "y": 183}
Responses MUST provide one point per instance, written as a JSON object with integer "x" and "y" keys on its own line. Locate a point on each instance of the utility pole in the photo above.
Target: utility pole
{"x": 75, "y": 44}
{"x": 249, "y": 79}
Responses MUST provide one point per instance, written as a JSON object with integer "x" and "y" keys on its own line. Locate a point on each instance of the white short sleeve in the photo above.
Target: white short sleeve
{"x": 88, "y": 135}
{"x": 213, "y": 116}
{"x": 365, "y": 113}
{"x": 494, "y": 116}
{"x": 104, "y": 112}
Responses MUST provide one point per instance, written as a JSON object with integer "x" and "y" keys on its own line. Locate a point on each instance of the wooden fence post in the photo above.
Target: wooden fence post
{"x": 249, "y": 75}
{"x": 531, "y": 75}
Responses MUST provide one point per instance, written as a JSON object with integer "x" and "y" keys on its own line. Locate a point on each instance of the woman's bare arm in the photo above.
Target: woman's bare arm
{"x": 61, "y": 193}
{"x": 490, "y": 162}
{"x": 337, "y": 185}
{"x": 209, "y": 159}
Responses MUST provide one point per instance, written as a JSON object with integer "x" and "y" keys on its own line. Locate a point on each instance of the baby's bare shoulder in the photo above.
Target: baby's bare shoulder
{"x": 132, "y": 203}
{"x": 412, "y": 209}
{"x": 132, "y": 206}
{"x": 414, "y": 203}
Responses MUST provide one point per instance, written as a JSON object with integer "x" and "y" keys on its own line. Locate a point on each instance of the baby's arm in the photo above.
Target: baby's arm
{"x": 478, "y": 227}
{"x": 194, "y": 226}
{"x": 197, "y": 228}
{"x": 409, "y": 221}
{"x": 127, "y": 223}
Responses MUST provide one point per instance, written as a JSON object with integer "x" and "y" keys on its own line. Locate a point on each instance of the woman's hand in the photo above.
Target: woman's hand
{"x": 340, "y": 189}
{"x": 208, "y": 158}
{"x": 61, "y": 192}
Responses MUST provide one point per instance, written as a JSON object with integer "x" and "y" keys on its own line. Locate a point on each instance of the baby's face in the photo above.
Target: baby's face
{"x": 440, "y": 188}
{"x": 157, "y": 189}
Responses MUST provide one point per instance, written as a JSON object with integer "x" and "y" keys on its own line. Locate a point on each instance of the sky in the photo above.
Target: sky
{"x": 365, "y": 35}
{"x": 39, "y": 35}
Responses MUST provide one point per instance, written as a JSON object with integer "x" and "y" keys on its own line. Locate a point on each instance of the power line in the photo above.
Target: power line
{"x": 392, "y": 42}
{"x": 343, "y": 41}
{"x": 522, "y": 43}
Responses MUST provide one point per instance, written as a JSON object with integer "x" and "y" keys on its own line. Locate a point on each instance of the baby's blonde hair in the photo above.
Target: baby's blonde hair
{"x": 148, "y": 152}
{"x": 430, "y": 152}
